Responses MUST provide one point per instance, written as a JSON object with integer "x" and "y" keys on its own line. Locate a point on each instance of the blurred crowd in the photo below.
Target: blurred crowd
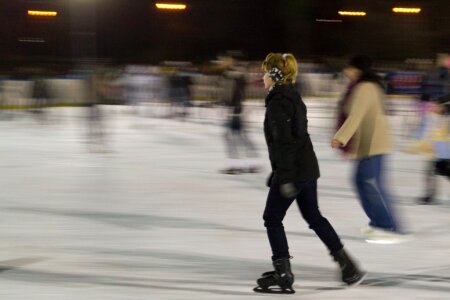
{"x": 227, "y": 82}
{"x": 181, "y": 82}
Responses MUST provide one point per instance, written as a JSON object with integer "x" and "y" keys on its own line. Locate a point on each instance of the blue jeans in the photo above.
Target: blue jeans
{"x": 276, "y": 208}
{"x": 374, "y": 199}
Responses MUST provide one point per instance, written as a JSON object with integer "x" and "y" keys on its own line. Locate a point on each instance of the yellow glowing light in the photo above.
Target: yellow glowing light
{"x": 352, "y": 13}
{"x": 328, "y": 21}
{"x": 41, "y": 13}
{"x": 173, "y": 6}
{"x": 406, "y": 10}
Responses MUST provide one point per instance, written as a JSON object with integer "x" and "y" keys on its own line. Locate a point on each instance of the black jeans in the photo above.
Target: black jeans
{"x": 435, "y": 168}
{"x": 276, "y": 208}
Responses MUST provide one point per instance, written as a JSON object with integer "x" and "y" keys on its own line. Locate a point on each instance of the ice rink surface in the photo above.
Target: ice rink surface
{"x": 152, "y": 218}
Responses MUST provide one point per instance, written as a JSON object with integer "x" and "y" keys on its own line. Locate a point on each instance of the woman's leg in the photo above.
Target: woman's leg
{"x": 309, "y": 208}
{"x": 308, "y": 204}
{"x": 234, "y": 163}
{"x": 376, "y": 203}
{"x": 276, "y": 207}
{"x": 230, "y": 139}
{"x": 362, "y": 171}
{"x": 386, "y": 198}
{"x": 250, "y": 148}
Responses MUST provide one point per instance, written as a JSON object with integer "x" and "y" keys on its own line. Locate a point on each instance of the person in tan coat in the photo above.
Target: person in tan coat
{"x": 363, "y": 134}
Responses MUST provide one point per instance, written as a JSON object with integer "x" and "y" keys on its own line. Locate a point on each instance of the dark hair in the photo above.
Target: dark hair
{"x": 364, "y": 64}
{"x": 361, "y": 62}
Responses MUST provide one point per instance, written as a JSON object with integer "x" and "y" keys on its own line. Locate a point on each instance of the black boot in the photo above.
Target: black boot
{"x": 350, "y": 274}
{"x": 281, "y": 277}
{"x": 425, "y": 200}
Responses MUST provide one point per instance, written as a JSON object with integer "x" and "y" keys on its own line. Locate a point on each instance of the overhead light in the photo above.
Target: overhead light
{"x": 42, "y": 13}
{"x": 328, "y": 20}
{"x": 31, "y": 40}
{"x": 352, "y": 13}
{"x": 171, "y": 6}
{"x": 406, "y": 10}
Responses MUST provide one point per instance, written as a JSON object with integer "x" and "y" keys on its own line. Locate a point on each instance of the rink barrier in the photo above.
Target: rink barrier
{"x": 16, "y": 94}
{"x": 73, "y": 90}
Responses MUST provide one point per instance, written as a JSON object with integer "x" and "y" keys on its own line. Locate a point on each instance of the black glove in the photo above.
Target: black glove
{"x": 288, "y": 190}
{"x": 269, "y": 180}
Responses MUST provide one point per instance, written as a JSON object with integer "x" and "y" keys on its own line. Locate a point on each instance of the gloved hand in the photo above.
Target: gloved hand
{"x": 288, "y": 190}
{"x": 269, "y": 180}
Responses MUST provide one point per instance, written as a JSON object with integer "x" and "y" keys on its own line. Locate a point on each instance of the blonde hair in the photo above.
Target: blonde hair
{"x": 286, "y": 63}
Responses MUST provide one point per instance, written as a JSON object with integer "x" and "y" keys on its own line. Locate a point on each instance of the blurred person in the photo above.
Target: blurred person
{"x": 4, "y": 114}
{"x": 2, "y": 97}
{"x": 232, "y": 94}
{"x": 179, "y": 92}
{"x": 436, "y": 83}
{"x": 363, "y": 134}
{"x": 113, "y": 91}
{"x": 95, "y": 116}
{"x": 151, "y": 90}
{"x": 434, "y": 142}
{"x": 435, "y": 86}
{"x": 40, "y": 95}
{"x": 294, "y": 176}
{"x": 137, "y": 87}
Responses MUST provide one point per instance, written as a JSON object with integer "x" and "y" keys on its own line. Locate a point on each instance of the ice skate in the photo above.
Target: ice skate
{"x": 232, "y": 171}
{"x": 381, "y": 236}
{"x": 426, "y": 200}
{"x": 234, "y": 167}
{"x": 277, "y": 282}
{"x": 253, "y": 170}
{"x": 350, "y": 273}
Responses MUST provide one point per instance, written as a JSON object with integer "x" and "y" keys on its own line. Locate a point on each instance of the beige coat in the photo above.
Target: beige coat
{"x": 366, "y": 124}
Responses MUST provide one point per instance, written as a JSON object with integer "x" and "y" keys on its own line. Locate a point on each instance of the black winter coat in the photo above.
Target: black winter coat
{"x": 291, "y": 151}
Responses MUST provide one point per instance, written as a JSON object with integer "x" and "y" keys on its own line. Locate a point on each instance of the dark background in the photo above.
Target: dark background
{"x": 135, "y": 31}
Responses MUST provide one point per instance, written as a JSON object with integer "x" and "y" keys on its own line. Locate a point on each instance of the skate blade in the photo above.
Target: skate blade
{"x": 388, "y": 241}
{"x": 381, "y": 242}
{"x": 274, "y": 290}
{"x": 231, "y": 172}
{"x": 356, "y": 283}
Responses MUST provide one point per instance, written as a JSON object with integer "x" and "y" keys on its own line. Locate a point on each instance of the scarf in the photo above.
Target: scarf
{"x": 342, "y": 115}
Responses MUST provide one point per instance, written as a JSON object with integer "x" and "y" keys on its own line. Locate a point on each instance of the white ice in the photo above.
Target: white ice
{"x": 154, "y": 219}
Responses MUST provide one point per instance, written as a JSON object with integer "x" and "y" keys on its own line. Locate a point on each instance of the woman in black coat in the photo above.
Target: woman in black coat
{"x": 295, "y": 171}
